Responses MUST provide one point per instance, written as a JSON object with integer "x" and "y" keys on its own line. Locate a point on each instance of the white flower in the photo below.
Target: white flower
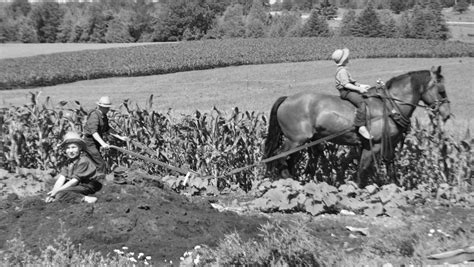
{"x": 131, "y": 253}
{"x": 132, "y": 259}
{"x": 196, "y": 260}
{"x": 148, "y": 258}
{"x": 140, "y": 255}
{"x": 432, "y": 230}
{"x": 197, "y": 247}
{"x": 124, "y": 248}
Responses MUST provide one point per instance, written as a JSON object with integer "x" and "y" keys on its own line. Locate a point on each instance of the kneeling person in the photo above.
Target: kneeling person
{"x": 77, "y": 179}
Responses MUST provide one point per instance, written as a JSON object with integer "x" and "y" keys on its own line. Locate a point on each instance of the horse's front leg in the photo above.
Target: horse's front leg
{"x": 366, "y": 164}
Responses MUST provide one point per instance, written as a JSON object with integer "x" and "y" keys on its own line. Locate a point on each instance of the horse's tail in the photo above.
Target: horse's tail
{"x": 273, "y": 140}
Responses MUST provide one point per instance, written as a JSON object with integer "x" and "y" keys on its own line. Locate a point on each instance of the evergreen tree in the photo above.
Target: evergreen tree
{"x": 428, "y": 22}
{"x": 296, "y": 30}
{"x": 418, "y": 23}
{"x": 27, "y": 32}
{"x": 327, "y": 10}
{"x": 348, "y": 23}
{"x": 257, "y": 12}
{"x": 368, "y": 23}
{"x": 437, "y": 24}
{"x": 281, "y": 24}
{"x": 65, "y": 29}
{"x": 316, "y": 26}
{"x": 389, "y": 26}
{"x": 255, "y": 26}
{"x": 397, "y": 6}
{"x": 405, "y": 25}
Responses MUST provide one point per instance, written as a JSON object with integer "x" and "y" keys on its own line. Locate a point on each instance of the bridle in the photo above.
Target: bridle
{"x": 433, "y": 107}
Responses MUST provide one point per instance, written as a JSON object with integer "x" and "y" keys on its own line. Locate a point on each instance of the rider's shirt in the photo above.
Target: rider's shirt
{"x": 343, "y": 77}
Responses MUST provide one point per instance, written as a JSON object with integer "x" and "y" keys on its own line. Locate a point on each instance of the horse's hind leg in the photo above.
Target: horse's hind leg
{"x": 287, "y": 168}
{"x": 314, "y": 154}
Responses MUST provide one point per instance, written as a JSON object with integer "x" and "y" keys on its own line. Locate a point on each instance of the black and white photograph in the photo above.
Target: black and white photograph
{"x": 236, "y": 133}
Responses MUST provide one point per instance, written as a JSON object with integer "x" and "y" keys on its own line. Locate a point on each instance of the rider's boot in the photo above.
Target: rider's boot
{"x": 365, "y": 133}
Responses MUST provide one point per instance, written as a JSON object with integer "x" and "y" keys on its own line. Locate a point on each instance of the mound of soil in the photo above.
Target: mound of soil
{"x": 138, "y": 211}
{"x": 146, "y": 217}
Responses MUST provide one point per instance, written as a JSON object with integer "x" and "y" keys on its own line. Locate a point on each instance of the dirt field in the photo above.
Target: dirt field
{"x": 148, "y": 218}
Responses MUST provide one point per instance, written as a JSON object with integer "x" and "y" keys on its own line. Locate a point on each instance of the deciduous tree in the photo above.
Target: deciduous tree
{"x": 47, "y": 17}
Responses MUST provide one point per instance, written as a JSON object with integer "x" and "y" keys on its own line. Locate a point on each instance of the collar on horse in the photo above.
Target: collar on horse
{"x": 392, "y": 110}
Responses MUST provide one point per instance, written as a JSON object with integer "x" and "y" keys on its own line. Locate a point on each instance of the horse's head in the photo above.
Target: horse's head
{"x": 435, "y": 95}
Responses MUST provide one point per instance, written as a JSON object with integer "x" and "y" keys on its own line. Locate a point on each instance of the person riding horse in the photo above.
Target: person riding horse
{"x": 304, "y": 117}
{"x": 350, "y": 90}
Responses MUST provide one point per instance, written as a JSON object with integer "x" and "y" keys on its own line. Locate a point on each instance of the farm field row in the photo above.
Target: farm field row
{"x": 60, "y": 68}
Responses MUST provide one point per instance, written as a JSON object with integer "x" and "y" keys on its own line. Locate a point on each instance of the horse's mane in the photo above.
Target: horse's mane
{"x": 418, "y": 78}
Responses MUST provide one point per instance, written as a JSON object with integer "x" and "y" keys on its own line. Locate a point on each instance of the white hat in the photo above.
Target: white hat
{"x": 73, "y": 137}
{"x": 104, "y": 101}
{"x": 340, "y": 55}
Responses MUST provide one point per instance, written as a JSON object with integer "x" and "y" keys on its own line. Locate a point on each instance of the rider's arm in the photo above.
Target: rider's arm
{"x": 356, "y": 88}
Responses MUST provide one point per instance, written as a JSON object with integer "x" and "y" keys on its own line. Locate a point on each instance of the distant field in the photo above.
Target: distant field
{"x": 14, "y": 50}
{"x": 254, "y": 87}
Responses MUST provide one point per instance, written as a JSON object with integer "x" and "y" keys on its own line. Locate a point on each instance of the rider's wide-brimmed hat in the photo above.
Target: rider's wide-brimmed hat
{"x": 73, "y": 138}
{"x": 340, "y": 55}
{"x": 104, "y": 101}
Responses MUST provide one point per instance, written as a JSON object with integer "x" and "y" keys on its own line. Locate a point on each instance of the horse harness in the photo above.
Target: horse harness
{"x": 392, "y": 110}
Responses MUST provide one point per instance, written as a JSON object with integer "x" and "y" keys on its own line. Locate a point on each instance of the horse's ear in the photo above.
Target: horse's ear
{"x": 436, "y": 70}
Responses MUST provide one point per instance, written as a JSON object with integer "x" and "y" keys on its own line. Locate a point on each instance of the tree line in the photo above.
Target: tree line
{"x": 122, "y": 21}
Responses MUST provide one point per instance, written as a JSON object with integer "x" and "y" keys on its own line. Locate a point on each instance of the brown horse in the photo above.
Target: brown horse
{"x": 305, "y": 117}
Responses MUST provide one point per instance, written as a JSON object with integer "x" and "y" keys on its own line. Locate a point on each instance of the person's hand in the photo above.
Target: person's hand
{"x": 105, "y": 146}
{"x": 49, "y": 199}
{"x": 365, "y": 86}
{"x": 51, "y": 196}
{"x": 363, "y": 90}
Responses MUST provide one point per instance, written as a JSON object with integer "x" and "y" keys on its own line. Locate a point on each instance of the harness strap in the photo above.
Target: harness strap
{"x": 291, "y": 151}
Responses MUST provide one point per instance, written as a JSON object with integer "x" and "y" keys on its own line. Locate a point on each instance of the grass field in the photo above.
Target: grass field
{"x": 253, "y": 87}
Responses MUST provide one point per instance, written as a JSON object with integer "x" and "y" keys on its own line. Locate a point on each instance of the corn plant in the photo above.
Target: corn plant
{"x": 216, "y": 142}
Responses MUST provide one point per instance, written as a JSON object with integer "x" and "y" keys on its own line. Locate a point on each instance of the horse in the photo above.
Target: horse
{"x": 303, "y": 117}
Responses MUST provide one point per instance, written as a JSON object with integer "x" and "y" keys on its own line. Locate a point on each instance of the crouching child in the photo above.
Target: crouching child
{"x": 77, "y": 180}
